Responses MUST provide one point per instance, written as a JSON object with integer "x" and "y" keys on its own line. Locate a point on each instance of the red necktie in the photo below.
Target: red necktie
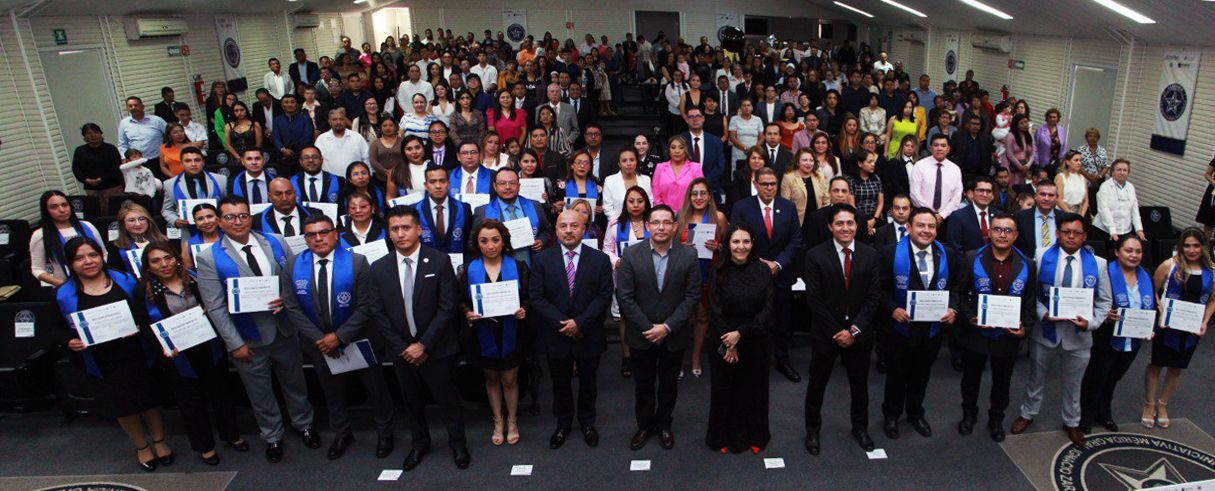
{"x": 983, "y": 226}
{"x": 768, "y": 220}
{"x": 847, "y": 266}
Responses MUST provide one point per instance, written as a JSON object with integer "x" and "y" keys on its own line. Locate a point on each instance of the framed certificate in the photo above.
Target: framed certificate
{"x": 495, "y": 299}
{"x": 1183, "y": 316}
{"x": 252, "y": 294}
{"x": 105, "y": 323}
{"x": 1135, "y": 323}
{"x": 999, "y": 311}
{"x": 1071, "y": 303}
{"x": 926, "y": 305}
{"x": 184, "y": 330}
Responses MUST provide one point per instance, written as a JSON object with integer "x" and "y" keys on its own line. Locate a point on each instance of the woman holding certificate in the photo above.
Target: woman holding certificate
{"x": 699, "y": 211}
{"x": 59, "y": 223}
{"x": 497, "y": 337}
{"x": 206, "y": 232}
{"x": 200, "y": 371}
{"x": 1186, "y": 277}
{"x": 135, "y": 230}
{"x": 623, "y": 231}
{"x": 98, "y": 303}
{"x": 579, "y": 183}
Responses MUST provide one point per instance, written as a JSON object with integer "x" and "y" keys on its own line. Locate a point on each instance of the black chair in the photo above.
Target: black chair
{"x": 32, "y": 290}
{"x": 15, "y": 239}
{"x": 107, "y": 226}
{"x": 1162, "y": 249}
{"x": 86, "y": 207}
{"x": 26, "y": 360}
{"x": 1099, "y": 248}
{"x": 1157, "y": 222}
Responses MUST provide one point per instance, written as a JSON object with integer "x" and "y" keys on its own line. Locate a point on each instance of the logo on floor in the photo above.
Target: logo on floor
{"x": 1129, "y": 461}
{"x": 94, "y": 486}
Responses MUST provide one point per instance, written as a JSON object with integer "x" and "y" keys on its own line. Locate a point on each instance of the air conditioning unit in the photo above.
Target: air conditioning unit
{"x": 148, "y": 27}
{"x": 304, "y": 21}
{"x": 914, "y": 37}
{"x": 994, "y": 42}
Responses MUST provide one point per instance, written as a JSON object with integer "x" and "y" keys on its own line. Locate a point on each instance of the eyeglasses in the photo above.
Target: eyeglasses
{"x": 316, "y": 234}
{"x": 662, "y": 223}
{"x": 1003, "y": 230}
{"x": 236, "y": 217}
{"x": 135, "y": 219}
{"x": 470, "y": 152}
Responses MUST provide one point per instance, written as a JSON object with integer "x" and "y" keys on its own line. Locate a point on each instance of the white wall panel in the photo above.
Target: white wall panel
{"x": 611, "y": 23}
{"x": 551, "y": 20}
{"x": 461, "y": 20}
{"x": 424, "y": 18}
{"x": 261, "y": 37}
{"x": 698, "y": 23}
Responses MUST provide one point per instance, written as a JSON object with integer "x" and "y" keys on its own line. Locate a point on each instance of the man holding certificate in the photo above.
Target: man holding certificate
{"x": 192, "y": 183}
{"x": 285, "y": 216}
{"x": 511, "y": 209}
{"x": 446, "y": 222}
{"x": 997, "y": 280}
{"x": 238, "y": 280}
{"x": 330, "y": 309}
{"x": 920, "y": 274}
{"x": 1073, "y": 295}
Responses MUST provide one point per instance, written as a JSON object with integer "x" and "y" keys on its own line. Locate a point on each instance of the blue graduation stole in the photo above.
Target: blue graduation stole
{"x": 983, "y": 286}
{"x": 1122, "y": 300}
{"x": 483, "y": 181}
{"x": 456, "y": 246}
{"x": 327, "y": 182}
{"x": 592, "y": 190}
{"x": 1174, "y": 339}
{"x": 341, "y": 296}
{"x": 902, "y": 282}
{"x": 239, "y": 187}
{"x": 624, "y": 233}
{"x": 484, "y": 327}
{"x": 268, "y": 219}
{"x": 131, "y": 267}
{"x": 81, "y": 231}
{"x": 226, "y": 268}
{"x": 180, "y": 362}
{"x": 528, "y": 208}
{"x": 67, "y": 298}
{"x": 1046, "y": 280}
{"x": 180, "y": 193}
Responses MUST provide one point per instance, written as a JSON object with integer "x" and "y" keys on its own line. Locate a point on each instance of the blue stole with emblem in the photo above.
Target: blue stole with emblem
{"x": 341, "y": 295}
{"x": 126, "y": 259}
{"x": 1179, "y": 340}
{"x": 457, "y": 181}
{"x": 624, "y": 233}
{"x": 429, "y": 234}
{"x": 268, "y": 219}
{"x": 526, "y": 207}
{"x": 983, "y": 286}
{"x": 1046, "y": 280}
{"x": 902, "y": 283}
{"x": 239, "y": 187}
{"x": 1122, "y": 300}
{"x": 592, "y": 190}
{"x": 81, "y": 231}
{"x": 485, "y": 327}
{"x": 180, "y": 193}
{"x": 226, "y": 268}
{"x": 67, "y": 298}
{"x": 181, "y": 362}
{"x": 326, "y": 181}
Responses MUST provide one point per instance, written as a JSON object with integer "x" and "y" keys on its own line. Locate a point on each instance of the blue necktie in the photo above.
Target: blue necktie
{"x": 925, "y": 277}
{"x": 1067, "y": 273}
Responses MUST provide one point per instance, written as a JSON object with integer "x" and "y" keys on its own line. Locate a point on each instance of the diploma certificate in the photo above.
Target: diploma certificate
{"x": 409, "y": 199}
{"x": 297, "y": 243}
{"x": 355, "y": 356}
{"x": 474, "y": 200}
{"x": 184, "y": 330}
{"x": 704, "y": 232}
{"x": 495, "y": 299}
{"x": 926, "y": 306}
{"x": 1000, "y": 311}
{"x": 105, "y": 323}
{"x": 1183, "y": 316}
{"x": 251, "y": 294}
{"x": 1135, "y": 323}
{"x": 328, "y": 209}
{"x": 532, "y": 188}
{"x": 521, "y": 236}
{"x": 372, "y": 250}
{"x": 1070, "y": 303}
{"x": 185, "y": 208}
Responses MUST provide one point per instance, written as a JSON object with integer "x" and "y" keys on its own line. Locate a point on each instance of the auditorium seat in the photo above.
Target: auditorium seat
{"x": 86, "y": 207}
{"x": 107, "y": 226}
{"x": 26, "y": 362}
{"x": 32, "y": 289}
{"x": 15, "y": 239}
{"x": 147, "y": 202}
{"x": 1157, "y": 222}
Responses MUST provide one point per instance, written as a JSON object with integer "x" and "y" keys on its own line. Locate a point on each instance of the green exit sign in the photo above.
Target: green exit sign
{"x": 60, "y": 36}
{"x": 1016, "y": 64}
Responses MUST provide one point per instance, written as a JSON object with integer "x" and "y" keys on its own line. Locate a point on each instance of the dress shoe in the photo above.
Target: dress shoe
{"x": 1109, "y": 424}
{"x": 862, "y": 439}
{"x": 666, "y": 439}
{"x": 164, "y": 460}
{"x": 274, "y": 452}
{"x": 414, "y": 458}
{"x": 788, "y": 371}
{"x": 1075, "y": 435}
{"x": 339, "y": 446}
{"x": 459, "y": 454}
{"x": 920, "y": 425}
{"x": 311, "y": 438}
{"x": 239, "y": 445}
{"x": 996, "y": 430}
{"x": 558, "y": 438}
{"x": 150, "y": 465}
{"x": 1020, "y": 424}
{"x": 812, "y": 445}
{"x": 967, "y": 425}
{"x": 591, "y": 436}
{"x": 384, "y": 446}
{"x": 1086, "y": 428}
{"x": 639, "y": 439}
{"x": 213, "y": 460}
{"x": 891, "y": 429}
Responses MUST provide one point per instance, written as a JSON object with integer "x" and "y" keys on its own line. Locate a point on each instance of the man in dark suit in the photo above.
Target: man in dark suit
{"x": 727, "y": 100}
{"x": 897, "y": 225}
{"x": 446, "y": 222}
{"x": 439, "y": 149}
{"x": 168, "y": 106}
{"x": 313, "y": 183}
{"x": 768, "y": 108}
{"x": 569, "y": 316}
{"x": 775, "y": 156}
{"x": 552, "y": 165}
{"x": 707, "y": 149}
{"x": 896, "y": 173}
{"x": 657, "y": 287}
{"x": 972, "y": 149}
{"x": 304, "y": 71}
{"x": 524, "y": 100}
{"x": 330, "y": 308}
{"x": 816, "y": 228}
{"x": 1039, "y": 223}
{"x": 968, "y": 229}
{"x": 746, "y": 88}
{"x": 414, "y": 298}
{"x": 286, "y": 215}
{"x": 1000, "y": 270}
{"x": 585, "y": 110}
{"x": 919, "y": 264}
{"x": 843, "y": 291}
{"x": 777, "y": 239}
{"x": 507, "y": 205}
{"x": 264, "y": 111}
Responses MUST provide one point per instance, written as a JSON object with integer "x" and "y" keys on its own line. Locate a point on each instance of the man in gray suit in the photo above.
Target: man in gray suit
{"x": 657, "y": 287}
{"x": 1067, "y": 264}
{"x": 192, "y": 183}
{"x": 567, "y": 117}
{"x": 327, "y": 300}
{"x": 259, "y": 341}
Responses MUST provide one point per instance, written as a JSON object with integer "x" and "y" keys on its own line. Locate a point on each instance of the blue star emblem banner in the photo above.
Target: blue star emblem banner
{"x": 1175, "y": 100}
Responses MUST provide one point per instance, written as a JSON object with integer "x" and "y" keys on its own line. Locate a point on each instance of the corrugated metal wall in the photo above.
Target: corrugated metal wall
{"x": 610, "y": 23}
{"x": 696, "y": 24}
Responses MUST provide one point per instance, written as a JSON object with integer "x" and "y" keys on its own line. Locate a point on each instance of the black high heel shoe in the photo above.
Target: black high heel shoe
{"x": 166, "y": 460}
{"x": 150, "y": 465}
{"x": 213, "y": 460}
{"x": 239, "y": 445}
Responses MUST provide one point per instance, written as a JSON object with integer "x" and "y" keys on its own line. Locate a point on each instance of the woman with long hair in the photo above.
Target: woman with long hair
{"x": 673, "y": 177}
{"x": 136, "y": 229}
{"x": 699, "y": 208}
{"x": 579, "y": 183}
{"x": 789, "y": 125}
{"x": 467, "y": 123}
{"x": 205, "y": 232}
{"x": 241, "y": 132}
{"x": 170, "y": 151}
{"x": 1018, "y": 155}
{"x": 411, "y": 177}
{"x": 616, "y": 185}
{"x": 492, "y": 156}
{"x": 743, "y": 184}
{"x": 824, "y": 157}
{"x": 58, "y": 223}
{"x": 442, "y": 107}
{"x": 368, "y": 125}
{"x": 849, "y": 138}
{"x": 529, "y": 168}
{"x": 358, "y": 180}
{"x": 1073, "y": 188}
{"x": 385, "y": 152}
{"x": 510, "y": 122}
{"x": 558, "y": 141}
{"x": 625, "y": 229}
{"x": 805, "y": 185}
{"x": 900, "y": 125}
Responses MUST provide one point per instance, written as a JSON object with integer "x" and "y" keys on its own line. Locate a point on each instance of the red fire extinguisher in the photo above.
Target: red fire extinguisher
{"x": 198, "y": 90}
{"x": 1004, "y": 93}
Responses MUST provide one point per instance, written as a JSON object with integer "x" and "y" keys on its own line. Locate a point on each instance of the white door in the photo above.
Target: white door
{"x": 81, "y": 91}
{"x": 1092, "y": 102}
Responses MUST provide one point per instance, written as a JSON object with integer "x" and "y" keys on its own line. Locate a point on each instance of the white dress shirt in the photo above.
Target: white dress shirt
{"x": 447, "y": 213}
{"x": 340, "y": 151}
{"x": 979, "y": 216}
{"x": 268, "y": 112}
{"x": 929, "y": 265}
{"x": 295, "y": 220}
{"x": 316, "y": 269}
{"x": 263, "y": 262}
{"x": 407, "y": 89}
{"x": 361, "y": 235}
{"x": 260, "y": 183}
{"x": 488, "y": 74}
{"x": 1117, "y": 208}
{"x": 839, "y": 252}
{"x": 279, "y": 84}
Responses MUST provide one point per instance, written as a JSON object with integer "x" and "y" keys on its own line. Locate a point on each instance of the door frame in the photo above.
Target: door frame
{"x": 1071, "y": 92}
{"x": 109, "y": 80}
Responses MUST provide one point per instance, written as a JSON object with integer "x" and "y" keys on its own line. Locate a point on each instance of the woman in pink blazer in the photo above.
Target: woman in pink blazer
{"x": 672, "y": 178}
{"x": 1018, "y": 155}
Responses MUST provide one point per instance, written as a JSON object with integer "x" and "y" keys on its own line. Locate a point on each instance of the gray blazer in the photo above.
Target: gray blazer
{"x": 567, "y": 120}
{"x": 351, "y": 330}
{"x": 215, "y": 295}
{"x": 642, "y": 304}
{"x": 168, "y": 208}
{"x": 1066, "y": 333}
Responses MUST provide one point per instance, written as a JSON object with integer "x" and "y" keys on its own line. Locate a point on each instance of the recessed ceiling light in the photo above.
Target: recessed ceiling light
{"x": 854, "y": 9}
{"x": 910, "y": 10}
{"x": 987, "y": 8}
{"x": 1125, "y": 11}
{"x": 360, "y": 1}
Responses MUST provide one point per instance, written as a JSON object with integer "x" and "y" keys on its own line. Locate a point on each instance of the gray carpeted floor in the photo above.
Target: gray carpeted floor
{"x": 37, "y": 445}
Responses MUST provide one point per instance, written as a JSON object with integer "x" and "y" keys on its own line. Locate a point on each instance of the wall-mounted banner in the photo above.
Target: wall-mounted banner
{"x": 1175, "y": 100}
{"x": 951, "y": 57}
{"x": 514, "y": 24}
{"x": 230, "y": 53}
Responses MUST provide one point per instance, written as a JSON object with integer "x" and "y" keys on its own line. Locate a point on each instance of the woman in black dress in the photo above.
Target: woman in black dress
{"x": 497, "y": 338}
{"x": 740, "y": 298}
{"x": 1206, "y": 207}
{"x": 199, "y": 374}
{"x": 118, "y": 369}
{"x": 1188, "y": 277}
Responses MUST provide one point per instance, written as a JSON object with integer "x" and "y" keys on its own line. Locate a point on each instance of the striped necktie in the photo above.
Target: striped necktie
{"x": 569, "y": 270}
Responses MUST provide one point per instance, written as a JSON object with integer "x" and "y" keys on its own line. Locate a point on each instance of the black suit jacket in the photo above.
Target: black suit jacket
{"x": 259, "y": 114}
{"x": 553, "y": 165}
{"x": 727, "y": 100}
{"x": 276, "y": 227}
{"x": 815, "y": 231}
{"x": 786, "y": 234}
{"x": 313, "y": 71}
{"x": 919, "y": 331}
{"x": 586, "y": 112}
{"x": 451, "y": 158}
{"x": 784, "y": 160}
{"x": 642, "y": 304}
{"x": 1027, "y": 235}
{"x": 959, "y": 147}
{"x": 834, "y": 308}
{"x": 895, "y": 180}
{"x": 434, "y": 304}
{"x": 742, "y": 91}
{"x": 886, "y": 234}
{"x": 587, "y": 305}
{"x": 971, "y": 337}
{"x": 169, "y": 114}
{"x": 761, "y": 110}
{"x": 962, "y": 231}
{"x": 374, "y": 230}
{"x": 443, "y": 241}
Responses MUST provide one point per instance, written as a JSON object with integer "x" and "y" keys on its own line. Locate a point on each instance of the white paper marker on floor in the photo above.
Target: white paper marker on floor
{"x": 521, "y": 470}
{"x": 390, "y": 474}
{"x": 776, "y": 463}
{"x": 877, "y": 453}
{"x": 639, "y": 465}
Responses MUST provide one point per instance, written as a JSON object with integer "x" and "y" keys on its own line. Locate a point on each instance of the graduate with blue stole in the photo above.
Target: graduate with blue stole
{"x": 253, "y": 183}
{"x": 471, "y": 177}
{"x": 445, "y": 221}
{"x": 579, "y": 183}
{"x": 507, "y": 205}
{"x": 361, "y": 225}
{"x": 192, "y": 183}
{"x": 136, "y": 229}
{"x": 285, "y": 215}
{"x": 119, "y": 369}
{"x": 205, "y": 232}
{"x": 312, "y": 183}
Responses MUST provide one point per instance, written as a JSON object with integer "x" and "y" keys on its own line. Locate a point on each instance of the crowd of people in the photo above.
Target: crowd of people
{"x": 382, "y": 188}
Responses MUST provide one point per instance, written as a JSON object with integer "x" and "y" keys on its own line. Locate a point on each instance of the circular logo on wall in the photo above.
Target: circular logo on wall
{"x": 516, "y": 32}
{"x": 94, "y": 486}
{"x": 1173, "y": 101}
{"x": 231, "y": 53}
{"x": 951, "y": 62}
{"x": 1129, "y": 461}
